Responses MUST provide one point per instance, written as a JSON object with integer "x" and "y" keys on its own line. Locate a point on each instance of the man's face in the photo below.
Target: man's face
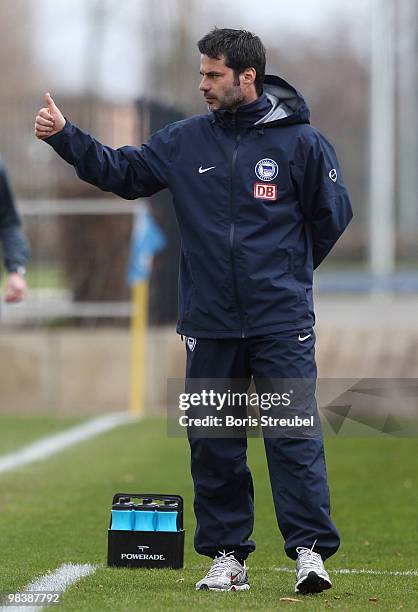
{"x": 219, "y": 86}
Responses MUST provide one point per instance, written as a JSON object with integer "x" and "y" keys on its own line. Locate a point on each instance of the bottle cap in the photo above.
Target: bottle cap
{"x": 124, "y": 506}
{"x": 124, "y": 500}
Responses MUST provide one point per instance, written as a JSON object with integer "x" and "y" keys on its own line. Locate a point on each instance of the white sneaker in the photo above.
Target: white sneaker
{"x": 225, "y": 574}
{"x": 311, "y": 576}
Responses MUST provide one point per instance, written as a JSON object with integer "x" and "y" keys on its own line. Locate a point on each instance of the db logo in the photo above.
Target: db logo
{"x": 265, "y": 192}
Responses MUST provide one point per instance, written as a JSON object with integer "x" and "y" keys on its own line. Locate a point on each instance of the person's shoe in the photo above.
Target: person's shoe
{"x": 311, "y": 576}
{"x": 225, "y": 574}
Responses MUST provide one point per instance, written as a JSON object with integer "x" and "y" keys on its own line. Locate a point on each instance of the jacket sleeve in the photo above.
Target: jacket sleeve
{"x": 13, "y": 241}
{"x": 8, "y": 214}
{"x": 15, "y": 247}
{"x": 129, "y": 172}
{"x": 322, "y": 193}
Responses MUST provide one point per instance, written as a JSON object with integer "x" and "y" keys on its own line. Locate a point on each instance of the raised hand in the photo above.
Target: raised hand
{"x": 49, "y": 120}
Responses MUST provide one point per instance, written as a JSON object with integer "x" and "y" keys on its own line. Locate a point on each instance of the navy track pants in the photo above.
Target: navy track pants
{"x": 224, "y": 495}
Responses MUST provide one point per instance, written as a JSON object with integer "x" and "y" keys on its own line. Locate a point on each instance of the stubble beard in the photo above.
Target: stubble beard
{"x": 231, "y": 100}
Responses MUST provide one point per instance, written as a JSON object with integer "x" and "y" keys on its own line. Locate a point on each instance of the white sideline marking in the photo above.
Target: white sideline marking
{"x": 56, "y": 581}
{"x": 57, "y": 442}
{"x": 359, "y": 571}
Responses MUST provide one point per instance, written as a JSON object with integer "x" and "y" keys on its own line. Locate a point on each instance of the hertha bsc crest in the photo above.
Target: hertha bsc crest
{"x": 191, "y": 343}
{"x": 266, "y": 169}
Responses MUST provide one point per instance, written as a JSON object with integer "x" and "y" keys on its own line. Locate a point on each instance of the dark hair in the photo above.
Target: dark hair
{"x": 241, "y": 50}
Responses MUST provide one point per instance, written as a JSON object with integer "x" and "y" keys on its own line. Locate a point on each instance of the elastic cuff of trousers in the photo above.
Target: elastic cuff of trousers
{"x": 239, "y": 557}
{"x": 327, "y": 552}
{"x": 324, "y": 552}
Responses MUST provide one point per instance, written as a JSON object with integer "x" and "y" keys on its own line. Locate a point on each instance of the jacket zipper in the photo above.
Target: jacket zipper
{"x": 231, "y": 236}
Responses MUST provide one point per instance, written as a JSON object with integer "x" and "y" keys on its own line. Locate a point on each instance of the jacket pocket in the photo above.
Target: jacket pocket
{"x": 187, "y": 288}
{"x": 297, "y": 267}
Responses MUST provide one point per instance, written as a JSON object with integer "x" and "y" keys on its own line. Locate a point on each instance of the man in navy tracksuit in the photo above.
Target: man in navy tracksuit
{"x": 260, "y": 202}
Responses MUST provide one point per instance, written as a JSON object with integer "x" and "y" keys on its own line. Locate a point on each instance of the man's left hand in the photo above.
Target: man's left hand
{"x": 15, "y": 289}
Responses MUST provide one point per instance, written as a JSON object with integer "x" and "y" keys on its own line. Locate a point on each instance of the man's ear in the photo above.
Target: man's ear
{"x": 248, "y": 76}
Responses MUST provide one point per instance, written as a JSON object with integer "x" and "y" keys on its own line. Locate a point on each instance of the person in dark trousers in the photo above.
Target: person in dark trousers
{"x": 14, "y": 244}
{"x": 260, "y": 202}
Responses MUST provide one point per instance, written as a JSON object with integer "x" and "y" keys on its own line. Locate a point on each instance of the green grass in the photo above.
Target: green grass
{"x": 43, "y": 276}
{"x": 46, "y": 276}
{"x": 57, "y": 511}
{"x": 17, "y": 430}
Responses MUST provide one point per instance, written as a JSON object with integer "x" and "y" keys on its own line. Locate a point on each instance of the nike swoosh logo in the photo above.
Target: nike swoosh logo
{"x": 202, "y": 170}
{"x": 234, "y": 577}
{"x": 303, "y": 338}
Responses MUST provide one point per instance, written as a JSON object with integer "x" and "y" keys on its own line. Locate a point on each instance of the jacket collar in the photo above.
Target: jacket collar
{"x": 244, "y": 116}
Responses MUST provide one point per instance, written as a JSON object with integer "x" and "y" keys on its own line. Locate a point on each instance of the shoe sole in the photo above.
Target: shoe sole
{"x": 233, "y": 587}
{"x": 312, "y": 584}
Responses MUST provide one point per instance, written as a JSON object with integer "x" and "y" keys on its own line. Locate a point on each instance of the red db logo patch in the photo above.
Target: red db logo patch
{"x": 263, "y": 191}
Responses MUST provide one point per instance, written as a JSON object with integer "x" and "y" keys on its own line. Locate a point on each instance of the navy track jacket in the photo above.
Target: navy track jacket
{"x": 15, "y": 246}
{"x": 259, "y": 198}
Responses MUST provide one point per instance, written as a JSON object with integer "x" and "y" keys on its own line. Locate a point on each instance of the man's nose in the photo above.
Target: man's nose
{"x": 204, "y": 85}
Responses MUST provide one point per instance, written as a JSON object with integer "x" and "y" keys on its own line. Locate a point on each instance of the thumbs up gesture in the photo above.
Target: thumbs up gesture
{"x": 49, "y": 120}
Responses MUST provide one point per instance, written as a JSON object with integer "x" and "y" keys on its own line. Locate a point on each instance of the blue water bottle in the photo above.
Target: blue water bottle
{"x": 144, "y": 516}
{"x": 166, "y": 516}
{"x": 122, "y": 515}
